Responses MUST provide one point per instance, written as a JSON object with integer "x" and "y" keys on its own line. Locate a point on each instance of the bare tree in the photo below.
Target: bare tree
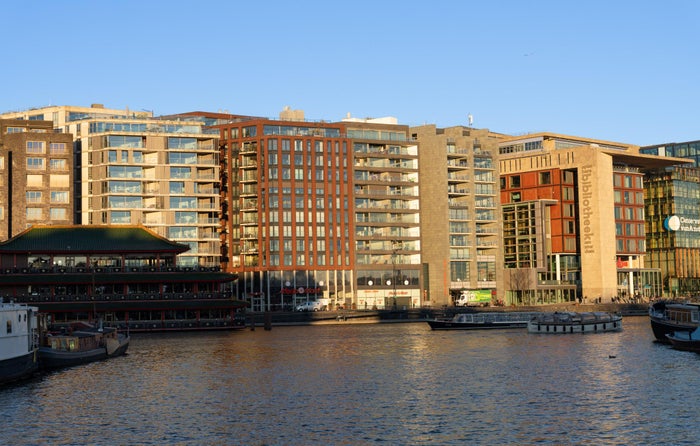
{"x": 520, "y": 282}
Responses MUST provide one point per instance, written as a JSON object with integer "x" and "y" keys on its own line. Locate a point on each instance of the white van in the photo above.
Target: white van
{"x": 470, "y": 298}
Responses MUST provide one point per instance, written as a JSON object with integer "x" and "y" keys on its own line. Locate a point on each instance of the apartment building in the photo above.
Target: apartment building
{"x": 673, "y": 223}
{"x": 460, "y": 211}
{"x": 320, "y": 210}
{"x": 573, "y": 219}
{"x": 35, "y": 176}
{"x": 131, "y": 168}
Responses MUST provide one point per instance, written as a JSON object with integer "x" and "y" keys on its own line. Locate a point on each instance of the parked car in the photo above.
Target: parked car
{"x": 312, "y": 305}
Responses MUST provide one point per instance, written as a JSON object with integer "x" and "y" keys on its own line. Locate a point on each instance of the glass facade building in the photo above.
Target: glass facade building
{"x": 673, "y": 219}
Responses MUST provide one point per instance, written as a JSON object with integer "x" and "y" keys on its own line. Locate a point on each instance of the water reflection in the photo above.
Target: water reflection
{"x": 348, "y": 384}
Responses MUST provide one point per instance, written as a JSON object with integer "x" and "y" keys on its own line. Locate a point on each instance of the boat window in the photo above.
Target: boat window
{"x": 9, "y": 327}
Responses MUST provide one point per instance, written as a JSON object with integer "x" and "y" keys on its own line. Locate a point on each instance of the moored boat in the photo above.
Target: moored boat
{"x": 81, "y": 344}
{"x": 481, "y": 321}
{"x": 668, "y": 317}
{"x": 18, "y": 341}
{"x": 572, "y": 322}
{"x": 685, "y": 340}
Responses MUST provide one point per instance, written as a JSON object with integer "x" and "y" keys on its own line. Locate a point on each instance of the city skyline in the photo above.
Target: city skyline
{"x": 619, "y": 72}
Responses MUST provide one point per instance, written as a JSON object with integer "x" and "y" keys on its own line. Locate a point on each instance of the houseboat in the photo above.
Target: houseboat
{"x": 19, "y": 341}
{"x": 669, "y": 317}
{"x": 127, "y": 276}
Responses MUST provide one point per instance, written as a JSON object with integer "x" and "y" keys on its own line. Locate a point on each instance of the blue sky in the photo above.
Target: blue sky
{"x": 621, "y": 70}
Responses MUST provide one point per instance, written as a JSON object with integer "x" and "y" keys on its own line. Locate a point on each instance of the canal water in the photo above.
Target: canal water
{"x": 367, "y": 384}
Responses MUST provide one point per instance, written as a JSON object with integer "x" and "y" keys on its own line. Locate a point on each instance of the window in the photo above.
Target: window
{"x": 118, "y": 201}
{"x": 34, "y": 214}
{"x": 35, "y": 147}
{"x": 545, "y": 178}
{"x": 120, "y": 217}
{"x": 59, "y": 196}
{"x": 177, "y": 187}
{"x": 58, "y": 214}
{"x": 57, "y": 148}
{"x": 35, "y": 180}
{"x": 180, "y": 172}
{"x": 59, "y": 180}
{"x": 515, "y": 181}
{"x": 33, "y": 196}
{"x": 185, "y": 217}
{"x": 35, "y": 163}
{"x": 57, "y": 164}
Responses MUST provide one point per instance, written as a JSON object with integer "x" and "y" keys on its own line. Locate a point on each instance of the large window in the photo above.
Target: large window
{"x": 180, "y": 172}
{"x": 35, "y": 163}
{"x": 185, "y": 217}
{"x": 35, "y": 146}
{"x": 59, "y": 196}
{"x": 120, "y": 217}
{"x": 125, "y": 187}
{"x": 58, "y": 164}
{"x": 182, "y": 143}
{"x": 58, "y": 214}
{"x": 179, "y": 232}
{"x": 182, "y": 158}
{"x": 124, "y": 141}
{"x": 57, "y": 148}
{"x": 183, "y": 202}
{"x": 33, "y": 196}
{"x": 120, "y": 201}
{"x": 124, "y": 172}
{"x": 34, "y": 214}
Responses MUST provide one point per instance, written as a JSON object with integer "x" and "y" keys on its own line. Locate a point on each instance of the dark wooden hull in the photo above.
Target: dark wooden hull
{"x": 679, "y": 342}
{"x": 50, "y": 359}
{"x": 451, "y": 325}
{"x": 662, "y": 327}
{"x": 14, "y": 369}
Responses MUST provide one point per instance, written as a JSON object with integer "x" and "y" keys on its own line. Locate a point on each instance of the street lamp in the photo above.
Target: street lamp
{"x": 394, "y": 248}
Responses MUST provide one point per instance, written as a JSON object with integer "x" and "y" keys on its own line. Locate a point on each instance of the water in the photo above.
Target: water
{"x": 367, "y": 384}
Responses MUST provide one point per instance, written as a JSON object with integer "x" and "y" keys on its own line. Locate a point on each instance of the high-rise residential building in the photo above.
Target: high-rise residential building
{"x": 318, "y": 210}
{"x": 35, "y": 176}
{"x": 573, "y": 219}
{"x": 460, "y": 211}
{"x": 673, "y": 218}
{"x": 131, "y": 168}
{"x": 387, "y": 213}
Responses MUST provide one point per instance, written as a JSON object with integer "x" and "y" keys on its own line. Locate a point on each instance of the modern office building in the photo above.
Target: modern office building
{"x": 131, "y": 168}
{"x": 460, "y": 211}
{"x": 318, "y": 210}
{"x": 673, "y": 219}
{"x": 573, "y": 219}
{"x": 36, "y": 163}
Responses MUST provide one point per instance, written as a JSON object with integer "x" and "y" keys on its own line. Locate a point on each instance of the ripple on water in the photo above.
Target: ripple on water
{"x": 390, "y": 384}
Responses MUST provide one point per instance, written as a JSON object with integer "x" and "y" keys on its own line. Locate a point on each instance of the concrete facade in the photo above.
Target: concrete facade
{"x": 460, "y": 217}
{"x": 594, "y": 192}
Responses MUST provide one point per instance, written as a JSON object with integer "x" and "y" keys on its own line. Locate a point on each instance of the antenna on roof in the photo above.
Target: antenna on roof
{"x": 470, "y": 119}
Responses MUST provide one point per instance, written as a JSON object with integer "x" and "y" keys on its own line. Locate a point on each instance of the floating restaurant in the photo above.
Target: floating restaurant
{"x": 126, "y": 275}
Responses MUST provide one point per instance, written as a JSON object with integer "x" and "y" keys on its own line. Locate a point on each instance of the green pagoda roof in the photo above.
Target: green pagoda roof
{"x": 90, "y": 239}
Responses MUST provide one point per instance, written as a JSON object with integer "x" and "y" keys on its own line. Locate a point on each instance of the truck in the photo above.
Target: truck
{"x": 474, "y": 298}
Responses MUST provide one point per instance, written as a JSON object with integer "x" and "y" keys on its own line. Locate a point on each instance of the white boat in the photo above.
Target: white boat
{"x": 571, "y": 322}
{"x": 19, "y": 341}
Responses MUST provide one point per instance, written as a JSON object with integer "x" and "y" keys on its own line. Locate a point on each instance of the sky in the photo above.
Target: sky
{"x": 616, "y": 70}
